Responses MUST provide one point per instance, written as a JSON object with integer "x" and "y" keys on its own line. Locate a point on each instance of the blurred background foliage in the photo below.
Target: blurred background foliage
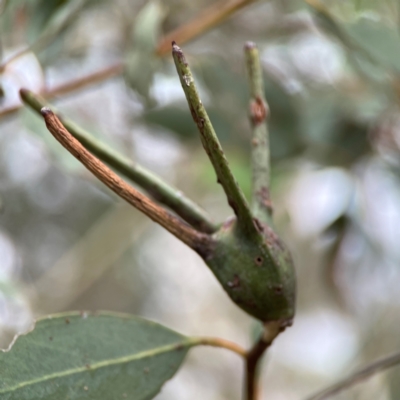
{"x": 332, "y": 84}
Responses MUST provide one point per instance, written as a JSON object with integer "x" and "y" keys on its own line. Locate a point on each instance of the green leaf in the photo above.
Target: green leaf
{"x": 91, "y": 356}
{"x": 146, "y": 30}
{"x": 380, "y": 41}
{"x": 176, "y": 118}
{"x": 141, "y": 61}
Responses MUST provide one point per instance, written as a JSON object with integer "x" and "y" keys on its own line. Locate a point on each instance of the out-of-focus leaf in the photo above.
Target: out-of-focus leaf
{"x": 229, "y": 94}
{"x": 364, "y": 61}
{"x": 55, "y": 25}
{"x": 3, "y": 5}
{"x": 286, "y": 137}
{"x": 8, "y": 15}
{"x": 335, "y": 130}
{"x": 227, "y": 90}
{"x": 336, "y": 232}
{"x": 42, "y": 12}
{"x": 382, "y": 42}
{"x": 146, "y": 29}
{"x": 177, "y": 118}
{"x": 141, "y": 62}
{"x": 83, "y": 356}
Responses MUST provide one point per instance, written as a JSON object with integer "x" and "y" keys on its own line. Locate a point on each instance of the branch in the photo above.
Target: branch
{"x": 212, "y": 146}
{"x": 197, "y": 241}
{"x": 262, "y": 206}
{"x": 271, "y": 331}
{"x": 76, "y": 84}
{"x": 216, "y": 342}
{"x": 79, "y": 83}
{"x": 206, "y": 20}
{"x": 375, "y": 367}
{"x": 154, "y": 185}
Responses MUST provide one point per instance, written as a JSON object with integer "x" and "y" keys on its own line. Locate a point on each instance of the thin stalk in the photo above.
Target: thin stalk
{"x": 204, "y": 21}
{"x": 262, "y": 206}
{"x": 199, "y": 242}
{"x": 154, "y": 185}
{"x": 364, "y": 373}
{"x": 222, "y": 343}
{"x": 212, "y": 145}
{"x": 253, "y": 357}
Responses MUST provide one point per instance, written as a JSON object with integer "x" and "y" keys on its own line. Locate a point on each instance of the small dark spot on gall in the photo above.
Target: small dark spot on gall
{"x": 235, "y": 283}
{"x": 179, "y": 346}
{"x": 87, "y": 366}
{"x": 51, "y": 338}
{"x": 67, "y": 321}
{"x": 258, "y": 261}
{"x": 251, "y": 304}
{"x": 278, "y": 289}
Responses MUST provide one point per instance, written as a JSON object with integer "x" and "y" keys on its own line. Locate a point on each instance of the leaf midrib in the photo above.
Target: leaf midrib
{"x": 178, "y": 346}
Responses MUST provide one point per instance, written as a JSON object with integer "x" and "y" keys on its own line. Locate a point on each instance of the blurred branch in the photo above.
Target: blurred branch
{"x": 212, "y": 145}
{"x": 210, "y": 17}
{"x": 213, "y": 15}
{"x": 271, "y": 331}
{"x": 79, "y": 83}
{"x": 372, "y": 369}
{"x": 262, "y": 206}
{"x": 154, "y": 185}
{"x": 95, "y": 77}
{"x": 194, "y": 239}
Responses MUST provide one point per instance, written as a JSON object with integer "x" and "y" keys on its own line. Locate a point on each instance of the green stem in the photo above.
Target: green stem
{"x": 261, "y": 206}
{"x": 212, "y": 145}
{"x": 198, "y": 241}
{"x": 253, "y": 358}
{"x": 154, "y": 185}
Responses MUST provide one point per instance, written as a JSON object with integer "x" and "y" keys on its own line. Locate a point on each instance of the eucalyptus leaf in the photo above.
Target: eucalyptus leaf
{"x": 42, "y": 12}
{"x": 91, "y": 356}
{"x": 177, "y": 120}
{"x": 379, "y": 40}
{"x": 141, "y": 61}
